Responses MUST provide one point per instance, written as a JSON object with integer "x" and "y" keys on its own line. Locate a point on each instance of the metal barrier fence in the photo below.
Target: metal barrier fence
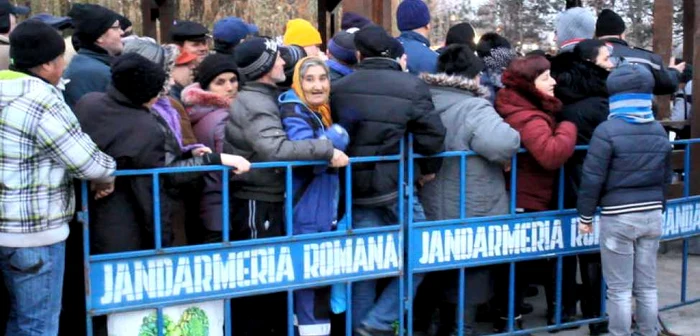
{"x": 163, "y": 277}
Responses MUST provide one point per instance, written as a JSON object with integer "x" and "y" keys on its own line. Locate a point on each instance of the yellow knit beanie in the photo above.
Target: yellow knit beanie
{"x": 300, "y": 32}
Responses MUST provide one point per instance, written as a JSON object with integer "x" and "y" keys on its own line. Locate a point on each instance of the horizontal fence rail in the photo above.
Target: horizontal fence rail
{"x": 168, "y": 276}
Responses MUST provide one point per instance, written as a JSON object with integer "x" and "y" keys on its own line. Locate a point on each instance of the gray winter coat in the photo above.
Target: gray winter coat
{"x": 472, "y": 124}
{"x": 254, "y": 131}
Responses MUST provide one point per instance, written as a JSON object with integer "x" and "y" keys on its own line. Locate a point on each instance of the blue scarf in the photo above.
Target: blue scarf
{"x": 634, "y": 108}
{"x": 340, "y": 68}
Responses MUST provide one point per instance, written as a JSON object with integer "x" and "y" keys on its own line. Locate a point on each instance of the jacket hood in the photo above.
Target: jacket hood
{"x": 10, "y": 80}
{"x": 578, "y": 79}
{"x": 289, "y": 97}
{"x": 200, "y": 103}
{"x": 523, "y": 95}
{"x": 455, "y": 82}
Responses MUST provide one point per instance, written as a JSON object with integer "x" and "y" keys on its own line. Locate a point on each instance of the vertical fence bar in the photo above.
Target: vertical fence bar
{"x": 157, "y": 225}
{"x": 159, "y": 321}
{"x": 406, "y": 227}
{"x": 560, "y": 189}
{"x": 686, "y": 171}
{"x": 462, "y": 186}
{"x": 289, "y": 230}
{"x": 460, "y": 309}
{"x": 348, "y": 309}
{"x": 349, "y": 222}
{"x": 288, "y": 206}
{"x": 603, "y": 297}
{"x": 684, "y": 275}
{"x": 559, "y": 279}
{"x": 225, "y": 208}
{"x": 225, "y": 225}
{"x": 513, "y": 183}
{"x": 84, "y": 219}
{"x": 511, "y": 298}
{"x": 290, "y": 313}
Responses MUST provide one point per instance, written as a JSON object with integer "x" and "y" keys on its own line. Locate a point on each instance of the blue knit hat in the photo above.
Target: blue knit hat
{"x": 412, "y": 14}
{"x": 231, "y": 30}
{"x": 631, "y": 88}
{"x": 353, "y": 20}
{"x": 342, "y": 47}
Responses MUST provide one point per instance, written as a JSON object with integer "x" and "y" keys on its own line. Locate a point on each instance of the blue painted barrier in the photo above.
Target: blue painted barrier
{"x": 162, "y": 277}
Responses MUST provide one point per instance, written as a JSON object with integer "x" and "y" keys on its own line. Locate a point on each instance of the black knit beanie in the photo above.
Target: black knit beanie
{"x": 462, "y": 33}
{"x": 490, "y": 41}
{"x": 374, "y": 41}
{"x": 137, "y": 78}
{"x": 609, "y": 23}
{"x": 460, "y": 60}
{"x": 91, "y": 21}
{"x": 34, "y": 43}
{"x": 212, "y": 66}
{"x": 255, "y": 57}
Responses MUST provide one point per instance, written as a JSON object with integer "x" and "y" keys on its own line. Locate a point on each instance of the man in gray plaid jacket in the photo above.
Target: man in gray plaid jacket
{"x": 42, "y": 148}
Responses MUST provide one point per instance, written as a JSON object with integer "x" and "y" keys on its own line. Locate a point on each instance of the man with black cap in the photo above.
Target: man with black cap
{"x": 43, "y": 149}
{"x": 611, "y": 28}
{"x": 192, "y": 37}
{"x": 255, "y": 132}
{"x": 8, "y": 19}
{"x": 379, "y": 104}
{"x": 99, "y": 33}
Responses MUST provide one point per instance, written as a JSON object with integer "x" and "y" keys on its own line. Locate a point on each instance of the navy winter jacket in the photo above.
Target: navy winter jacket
{"x": 420, "y": 57}
{"x": 88, "y": 71}
{"x": 627, "y": 169}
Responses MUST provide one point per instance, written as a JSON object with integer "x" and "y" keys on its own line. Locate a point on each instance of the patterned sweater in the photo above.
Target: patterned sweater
{"x": 41, "y": 149}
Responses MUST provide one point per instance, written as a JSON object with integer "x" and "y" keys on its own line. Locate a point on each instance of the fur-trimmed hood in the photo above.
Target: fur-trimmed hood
{"x": 470, "y": 85}
{"x": 200, "y": 102}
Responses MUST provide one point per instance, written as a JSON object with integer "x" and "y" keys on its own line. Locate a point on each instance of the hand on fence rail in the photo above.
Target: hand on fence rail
{"x": 339, "y": 159}
{"x": 201, "y": 151}
{"x": 239, "y": 164}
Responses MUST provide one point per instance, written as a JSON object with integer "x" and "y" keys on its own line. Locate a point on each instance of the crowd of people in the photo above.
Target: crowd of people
{"x": 128, "y": 102}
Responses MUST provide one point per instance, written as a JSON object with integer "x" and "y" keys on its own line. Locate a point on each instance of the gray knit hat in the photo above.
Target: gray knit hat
{"x": 575, "y": 23}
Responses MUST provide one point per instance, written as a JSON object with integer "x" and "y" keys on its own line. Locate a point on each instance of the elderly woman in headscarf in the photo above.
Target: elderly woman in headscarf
{"x": 306, "y": 114}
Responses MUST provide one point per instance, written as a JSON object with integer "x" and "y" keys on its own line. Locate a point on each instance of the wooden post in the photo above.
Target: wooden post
{"x": 695, "y": 121}
{"x": 689, "y": 28}
{"x": 148, "y": 21}
{"x": 663, "y": 45}
{"x": 166, "y": 17}
{"x": 379, "y": 11}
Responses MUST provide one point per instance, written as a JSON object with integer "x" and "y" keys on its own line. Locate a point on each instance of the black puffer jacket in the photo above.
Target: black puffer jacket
{"x": 581, "y": 88}
{"x": 379, "y": 104}
{"x": 666, "y": 79}
{"x": 137, "y": 138}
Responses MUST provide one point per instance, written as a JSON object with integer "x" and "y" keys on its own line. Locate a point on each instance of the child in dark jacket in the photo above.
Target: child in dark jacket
{"x": 306, "y": 115}
{"x": 627, "y": 172}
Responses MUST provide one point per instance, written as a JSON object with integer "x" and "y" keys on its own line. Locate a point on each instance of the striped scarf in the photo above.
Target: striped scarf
{"x": 634, "y": 108}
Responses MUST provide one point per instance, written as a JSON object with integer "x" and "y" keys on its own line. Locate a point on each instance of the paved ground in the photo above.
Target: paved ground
{"x": 683, "y": 321}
